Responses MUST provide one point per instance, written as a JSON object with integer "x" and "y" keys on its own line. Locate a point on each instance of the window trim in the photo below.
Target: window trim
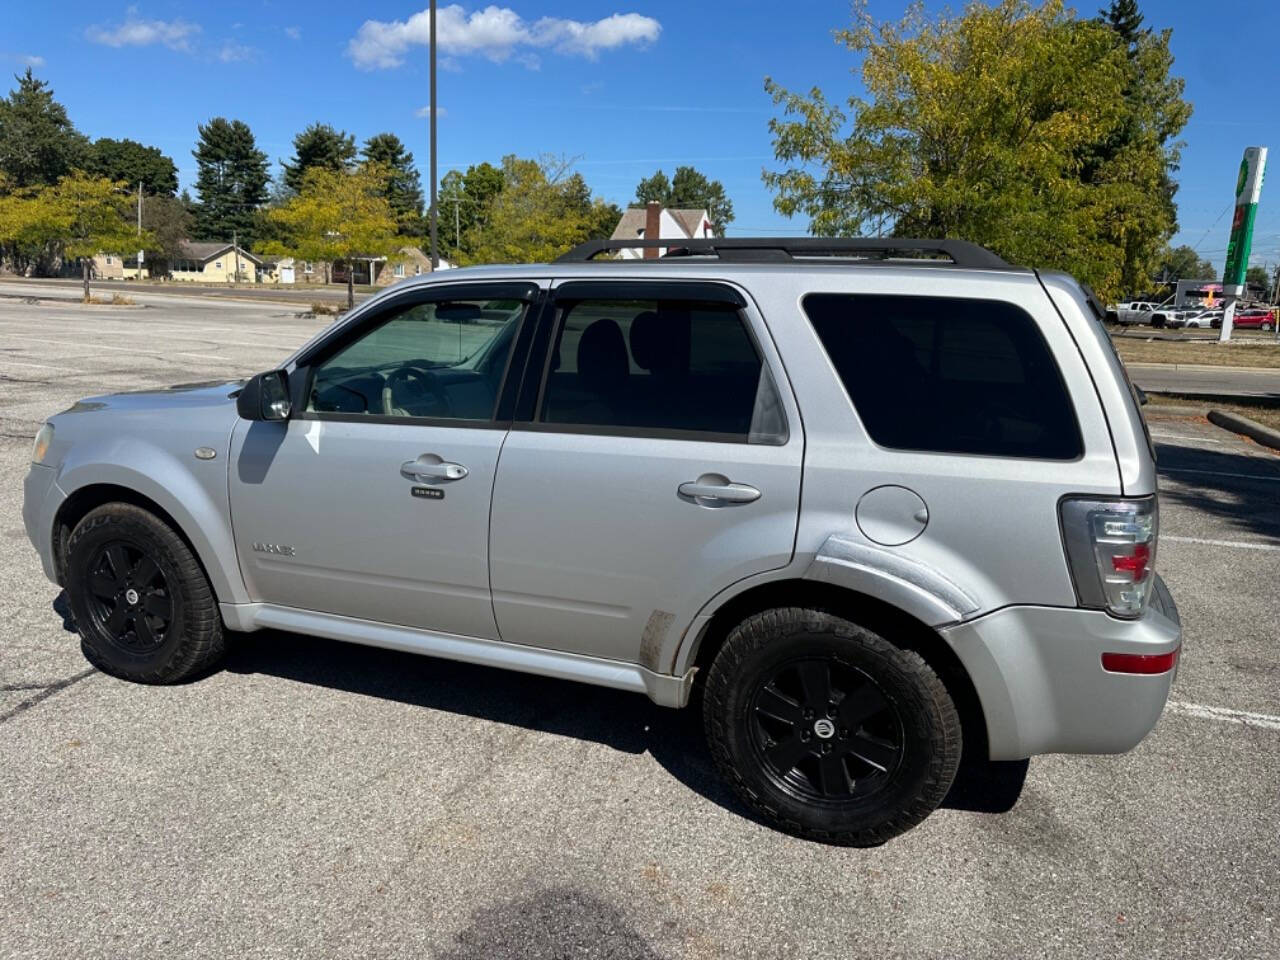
{"x": 918, "y": 451}
{"x": 575, "y": 291}
{"x": 305, "y": 365}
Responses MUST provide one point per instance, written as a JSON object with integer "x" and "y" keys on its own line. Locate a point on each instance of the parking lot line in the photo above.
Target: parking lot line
{"x": 1183, "y": 436}
{"x": 1219, "y": 473}
{"x": 1241, "y": 544}
{"x": 1263, "y": 721}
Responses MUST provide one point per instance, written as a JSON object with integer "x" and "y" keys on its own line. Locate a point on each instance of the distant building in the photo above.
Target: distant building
{"x": 215, "y": 262}
{"x": 662, "y": 223}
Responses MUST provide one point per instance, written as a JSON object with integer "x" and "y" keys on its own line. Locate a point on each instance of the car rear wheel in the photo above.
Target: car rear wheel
{"x": 827, "y": 730}
{"x": 141, "y": 601}
{"x": 1266, "y": 326}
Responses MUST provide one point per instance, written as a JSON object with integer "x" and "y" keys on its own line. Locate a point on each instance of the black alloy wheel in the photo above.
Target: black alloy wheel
{"x": 129, "y": 597}
{"x": 825, "y": 731}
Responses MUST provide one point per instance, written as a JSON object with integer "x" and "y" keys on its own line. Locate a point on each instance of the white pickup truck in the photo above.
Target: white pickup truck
{"x": 1136, "y": 311}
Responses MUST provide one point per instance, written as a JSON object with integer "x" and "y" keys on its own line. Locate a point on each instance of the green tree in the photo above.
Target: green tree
{"x": 404, "y": 187}
{"x": 231, "y": 179}
{"x": 38, "y": 142}
{"x": 986, "y": 126}
{"x": 168, "y": 222}
{"x": 1124, "y": 17}
{"x": 1258, "y": 279}
{"x": 541, "y": 211}
{"x": 1183, "y": 263}
{"x": 689, "y": 189}
{"x": 463, "y": 201}
{"x": 132, "y": 162}
{"x": 319, "y": 145}
{"x": 28, "y": 232}
{"x": 337, "y": 215}
{"x": 91, "y": 215}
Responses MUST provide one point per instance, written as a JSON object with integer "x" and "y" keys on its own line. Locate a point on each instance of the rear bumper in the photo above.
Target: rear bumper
{"x": 1038, "y": 673}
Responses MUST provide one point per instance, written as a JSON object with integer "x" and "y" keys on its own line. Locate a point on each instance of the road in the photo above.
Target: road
{"x": 315, "y": 799}
{"x": 1206, "y": 380}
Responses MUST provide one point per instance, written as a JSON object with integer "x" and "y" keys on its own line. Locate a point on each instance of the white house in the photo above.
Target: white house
{"x": 657, "y": 221}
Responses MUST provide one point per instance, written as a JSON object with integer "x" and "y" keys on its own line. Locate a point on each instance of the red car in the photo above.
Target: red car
{"x": 1259, "y": 318}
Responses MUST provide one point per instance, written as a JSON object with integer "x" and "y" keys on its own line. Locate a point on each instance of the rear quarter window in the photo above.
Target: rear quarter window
{"x": 948, "y": 375}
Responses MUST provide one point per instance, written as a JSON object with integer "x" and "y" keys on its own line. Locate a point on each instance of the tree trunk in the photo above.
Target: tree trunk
{"x": 84, "y": 269}
{"x": 351, "y": 285}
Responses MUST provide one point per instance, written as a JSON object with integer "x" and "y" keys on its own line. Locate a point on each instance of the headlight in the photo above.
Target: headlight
{"x": 44, "y": 439}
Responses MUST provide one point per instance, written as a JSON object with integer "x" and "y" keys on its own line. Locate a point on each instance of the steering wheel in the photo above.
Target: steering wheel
{"x": 425, "y": 385}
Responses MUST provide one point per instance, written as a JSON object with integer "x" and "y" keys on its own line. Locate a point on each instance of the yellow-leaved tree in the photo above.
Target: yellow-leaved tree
{"x": 338, "y": 216}
{"x": 90, "y": 215}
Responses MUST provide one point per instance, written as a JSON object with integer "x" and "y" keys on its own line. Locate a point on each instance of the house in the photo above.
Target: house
{"x": 655, "y": 220}
{"x": 215, "y": 262}
{"x": 106, "y": 266}
{"x": 409, "y": 261}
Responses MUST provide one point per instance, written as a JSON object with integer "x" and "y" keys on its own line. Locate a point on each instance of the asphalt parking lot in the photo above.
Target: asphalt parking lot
{"x": 315, "y": 799}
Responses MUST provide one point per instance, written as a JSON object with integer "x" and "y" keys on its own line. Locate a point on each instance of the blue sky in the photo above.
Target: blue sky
{"x": 625, "y": 87}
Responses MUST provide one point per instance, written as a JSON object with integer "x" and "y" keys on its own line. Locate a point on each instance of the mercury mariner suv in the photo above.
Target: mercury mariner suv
{"x": 874, "y": 502}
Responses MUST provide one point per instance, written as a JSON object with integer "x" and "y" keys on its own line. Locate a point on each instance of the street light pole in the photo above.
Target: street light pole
{"x": 435, "y": 255}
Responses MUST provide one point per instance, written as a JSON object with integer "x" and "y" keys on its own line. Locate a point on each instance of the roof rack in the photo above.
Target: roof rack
{"x": 773, "y": 249}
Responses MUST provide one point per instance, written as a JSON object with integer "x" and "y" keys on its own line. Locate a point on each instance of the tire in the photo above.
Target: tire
{"x": 140, "y": 600}
{"x": 893, "y": 735}
{"x": 1266, "y": 326}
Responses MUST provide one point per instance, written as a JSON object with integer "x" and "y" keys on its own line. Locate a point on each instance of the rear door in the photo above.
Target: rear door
{"x": 372, "y": 500}
{"x": 655, "y": 460}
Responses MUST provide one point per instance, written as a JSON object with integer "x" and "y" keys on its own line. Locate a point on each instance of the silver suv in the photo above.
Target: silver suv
{"x": 873, "y": 503}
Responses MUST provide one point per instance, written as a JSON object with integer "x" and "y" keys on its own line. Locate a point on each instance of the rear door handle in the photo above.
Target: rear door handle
{"x": 429, "y": 468}
{"x": 716, "y": 490}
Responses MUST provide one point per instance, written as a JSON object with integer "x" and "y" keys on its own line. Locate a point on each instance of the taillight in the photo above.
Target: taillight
{"x": 1111, "y": 549}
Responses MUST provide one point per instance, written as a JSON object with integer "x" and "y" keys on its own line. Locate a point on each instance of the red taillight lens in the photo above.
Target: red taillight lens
{"x": 1142, "y": 663}
{"x": 1138, "y": 563}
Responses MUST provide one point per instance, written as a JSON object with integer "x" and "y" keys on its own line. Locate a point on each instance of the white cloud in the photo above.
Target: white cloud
{"x": 495, "y": 33}
{"x": 293, "y": 33}
{"x": 232, "y": 52}
{"x": 423, "y": 112}
{"x": 136, "y": 32}
{"x": 31, "y": 60}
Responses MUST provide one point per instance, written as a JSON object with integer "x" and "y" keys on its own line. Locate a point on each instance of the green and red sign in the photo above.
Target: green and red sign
{"x": 1248, "y": 190}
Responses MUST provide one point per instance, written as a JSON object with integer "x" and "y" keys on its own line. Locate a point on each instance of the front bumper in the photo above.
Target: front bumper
{"x": 1038, "y": 674}
{"x": 41, "y": 498}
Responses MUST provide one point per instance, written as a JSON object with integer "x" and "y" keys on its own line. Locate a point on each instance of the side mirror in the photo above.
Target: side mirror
{"x": 265, "y": 397}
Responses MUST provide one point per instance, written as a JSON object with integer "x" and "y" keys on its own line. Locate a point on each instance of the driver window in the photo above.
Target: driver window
{"x": 440, "y": 360}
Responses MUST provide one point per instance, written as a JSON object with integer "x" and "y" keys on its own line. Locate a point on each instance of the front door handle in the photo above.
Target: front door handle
{"x": 429, "y": 468}
{"x": 715, "y": 490}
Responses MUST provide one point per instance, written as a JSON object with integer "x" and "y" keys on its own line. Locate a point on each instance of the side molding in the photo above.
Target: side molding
{"x": 905, "y": 583}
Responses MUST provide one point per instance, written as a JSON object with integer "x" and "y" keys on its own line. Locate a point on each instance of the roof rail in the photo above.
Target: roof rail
{"x": 772, "y": 249}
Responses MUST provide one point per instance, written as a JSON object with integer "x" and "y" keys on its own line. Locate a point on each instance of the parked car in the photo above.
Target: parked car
{"x": 1257, "y": 318}
{"x": 606, "y": 487}
{"x": 1133, "y": 312}
{"x": 1203, "y": 320}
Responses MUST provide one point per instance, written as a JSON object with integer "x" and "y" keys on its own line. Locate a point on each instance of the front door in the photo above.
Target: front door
{"x": 661, "y": 463}
{"x": 372, "y": 500}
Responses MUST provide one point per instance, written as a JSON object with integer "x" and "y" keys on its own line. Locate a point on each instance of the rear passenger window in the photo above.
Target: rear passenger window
{"x": 948, "y": 375}
{"x": 640, "y": 366}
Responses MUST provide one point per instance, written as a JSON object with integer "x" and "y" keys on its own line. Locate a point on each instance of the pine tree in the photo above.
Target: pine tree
{"x": 231, "y": 180}
{"x": 320, "y": 145}
{"x": 1124, "y": 17}
{"x": 404, "y": 187}
{"x": 38, "y": 142}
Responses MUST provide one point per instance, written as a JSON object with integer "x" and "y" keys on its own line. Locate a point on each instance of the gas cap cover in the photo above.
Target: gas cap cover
{"x": 891, "y": 515}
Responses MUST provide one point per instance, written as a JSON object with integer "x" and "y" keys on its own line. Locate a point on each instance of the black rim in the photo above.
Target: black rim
{"x": 129, "y": 597}
{"x": 825, "y": 731}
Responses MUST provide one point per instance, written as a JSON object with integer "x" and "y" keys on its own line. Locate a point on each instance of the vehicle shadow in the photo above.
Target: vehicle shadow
{"x": 626, "y": 722}
{"x": 1198, "y": 479}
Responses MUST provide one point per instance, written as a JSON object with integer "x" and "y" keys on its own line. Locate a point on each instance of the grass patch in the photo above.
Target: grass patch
{"x": 1210, "y": 352}
{"x": 115, "y": 300}
{"x": 323, "y": 309}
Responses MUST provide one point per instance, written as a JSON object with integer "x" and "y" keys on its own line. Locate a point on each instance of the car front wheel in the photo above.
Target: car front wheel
{"x": 827, "y": 730}
{"x": 141, "y": 602}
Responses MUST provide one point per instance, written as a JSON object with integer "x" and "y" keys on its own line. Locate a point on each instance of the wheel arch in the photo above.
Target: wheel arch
{"x": 894, "y": 624}
{"x": 82, "y": 500}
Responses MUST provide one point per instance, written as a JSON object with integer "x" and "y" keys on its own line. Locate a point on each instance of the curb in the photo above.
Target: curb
{"x": 1199, "y": 367}
{"x": 1249, "y": 428}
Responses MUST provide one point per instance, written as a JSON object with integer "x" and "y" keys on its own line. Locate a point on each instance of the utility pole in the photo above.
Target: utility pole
{"x": 139, "y": 208}
{"x": 235, "y": 252}
{"x": 435, "y": 253}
